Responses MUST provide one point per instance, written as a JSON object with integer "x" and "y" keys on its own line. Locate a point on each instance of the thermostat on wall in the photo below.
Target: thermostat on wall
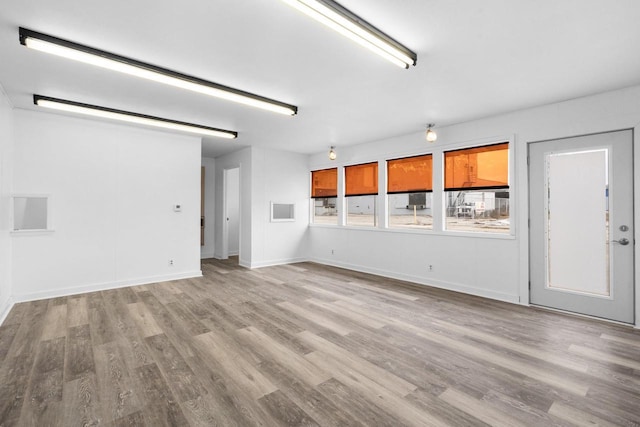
{"x": 177, "y": 208}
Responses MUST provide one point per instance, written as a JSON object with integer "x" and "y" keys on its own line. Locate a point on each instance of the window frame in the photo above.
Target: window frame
{"x": 376, "y": 197}
{"x": 312, "y": 198}
{"x": 393, "y": 193}
{"x": 30, "y": 231}
{"x": 513, "y": 210}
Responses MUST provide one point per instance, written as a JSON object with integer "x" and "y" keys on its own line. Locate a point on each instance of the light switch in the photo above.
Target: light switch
{"x": 177, "y": 208}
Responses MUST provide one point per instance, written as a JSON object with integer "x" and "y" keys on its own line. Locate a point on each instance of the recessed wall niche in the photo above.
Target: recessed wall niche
{"x": 31, "y": 213}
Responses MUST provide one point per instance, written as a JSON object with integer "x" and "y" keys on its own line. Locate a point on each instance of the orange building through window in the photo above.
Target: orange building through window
{"x": 410, "y": 174}
{"x": 324, "y": 183}
{"x": 361, "y": 180}
{"x": 484, "y": 167}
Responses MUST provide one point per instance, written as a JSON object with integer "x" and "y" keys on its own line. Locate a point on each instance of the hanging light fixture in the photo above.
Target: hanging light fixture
{"x": 350, "y": 25}
{"x": 127, "y": 116}
{"x": 332, "y": 153}
{"x": 431, "y": 134}
{"x": 133, "y": 67}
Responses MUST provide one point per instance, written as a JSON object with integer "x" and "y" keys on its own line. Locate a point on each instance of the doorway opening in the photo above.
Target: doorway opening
{"x": 231, "y": 222}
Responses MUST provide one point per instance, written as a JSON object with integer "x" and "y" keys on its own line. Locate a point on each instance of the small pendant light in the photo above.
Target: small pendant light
{"x": 332, "y": 153}
{"x": 431, "y": 134}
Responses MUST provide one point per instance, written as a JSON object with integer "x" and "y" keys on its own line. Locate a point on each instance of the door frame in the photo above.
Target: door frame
{"x": 523, "y": 175}
{"x": 636, "y": 211}
{"x": 225, "y": 223}
{"x": 635, "y": 190}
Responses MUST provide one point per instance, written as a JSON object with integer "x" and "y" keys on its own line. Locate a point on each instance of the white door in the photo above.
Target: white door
{"x": 581, "y": 225}
{"x": 231, "y": 208}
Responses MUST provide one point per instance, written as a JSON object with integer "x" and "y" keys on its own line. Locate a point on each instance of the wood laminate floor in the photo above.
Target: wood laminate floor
{"x": 309, "y": 345}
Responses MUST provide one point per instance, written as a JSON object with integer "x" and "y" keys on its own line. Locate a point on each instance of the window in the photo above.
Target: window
{"x": 283, "y": 212}
{"x": 31, "y": 213}
{"x": 409, "y": 189}
{"x": 361, "y": 189}
{"x": 476, "y": 184}
{"x": 324, "y": 192}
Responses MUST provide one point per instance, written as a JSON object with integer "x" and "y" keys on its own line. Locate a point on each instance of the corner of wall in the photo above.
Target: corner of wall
{"x": 207, "y": 251}
{"x": 7, "y": 141}
{"x": 5, "y": 307}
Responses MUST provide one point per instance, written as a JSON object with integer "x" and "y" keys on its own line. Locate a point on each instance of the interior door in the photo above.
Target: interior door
{"x": 581, "y": 225}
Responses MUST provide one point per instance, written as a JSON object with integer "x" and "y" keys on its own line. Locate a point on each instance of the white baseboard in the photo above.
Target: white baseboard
{"x": 54, "y": 293}
{"x": 5, "y": 308}
{"x": 457, "y": 287}
{"x": 234, "y": 253}
{"x": 271, "y": 263}
{"x": 207, "y": 255}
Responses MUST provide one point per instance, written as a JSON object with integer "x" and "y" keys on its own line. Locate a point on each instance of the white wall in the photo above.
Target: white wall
{"x": 112, "y": 190}
{"x": 6, "y": 176}
{"x": 207, "y": 251}
{"x": 492, "y": 267}
{"x": 280, "y": 177}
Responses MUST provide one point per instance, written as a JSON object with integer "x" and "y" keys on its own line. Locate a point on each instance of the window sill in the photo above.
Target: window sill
{"x": 464, "y": 234}
{"x": 323, "y": 225}
{"x": 31, "y": 232}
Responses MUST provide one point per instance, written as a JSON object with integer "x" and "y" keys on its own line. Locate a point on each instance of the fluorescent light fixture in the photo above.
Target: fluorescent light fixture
{"x": 357, "y": 29}
{"x": 111, "y": 61}
{"x": 127, "y": 116}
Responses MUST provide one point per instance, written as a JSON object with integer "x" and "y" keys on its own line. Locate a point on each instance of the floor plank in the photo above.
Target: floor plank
{"x": 43, "y": 399}
{"x": 285, "y": 411}
{"x": 352, "y": 361}
{"x": 118, "y": 396}
{"x": 306, "y": 371}
{"x": 77, "y": 312}
{"x": 81, "y": 406}
{"x": 179, "y": 376}
{"x": 55, "y": 323}
{"x": 79, "y": 357}
{"x": 144, "y": 319}
{"x": 478, "y": 409}
{"x": 161, "y": 407}
{"x": 235, "y": 365}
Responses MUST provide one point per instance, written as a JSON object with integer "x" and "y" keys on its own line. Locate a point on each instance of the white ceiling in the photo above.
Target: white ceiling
{"x": 475, "y": 59}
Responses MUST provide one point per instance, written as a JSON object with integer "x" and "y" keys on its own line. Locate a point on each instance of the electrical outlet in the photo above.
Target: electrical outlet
{"x": 332, "y": 252}
{"x": 171, "y": 262}
{"x": 430, "y": 267}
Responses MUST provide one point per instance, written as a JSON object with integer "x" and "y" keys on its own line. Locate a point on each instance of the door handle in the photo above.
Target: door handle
{"x": 624, "y": 241}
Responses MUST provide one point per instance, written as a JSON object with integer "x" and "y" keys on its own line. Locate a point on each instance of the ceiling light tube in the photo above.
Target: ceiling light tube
{"x": 127, "y": 116}
{"x": 355, "y": 28}
{"x": 111, "y": 61}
